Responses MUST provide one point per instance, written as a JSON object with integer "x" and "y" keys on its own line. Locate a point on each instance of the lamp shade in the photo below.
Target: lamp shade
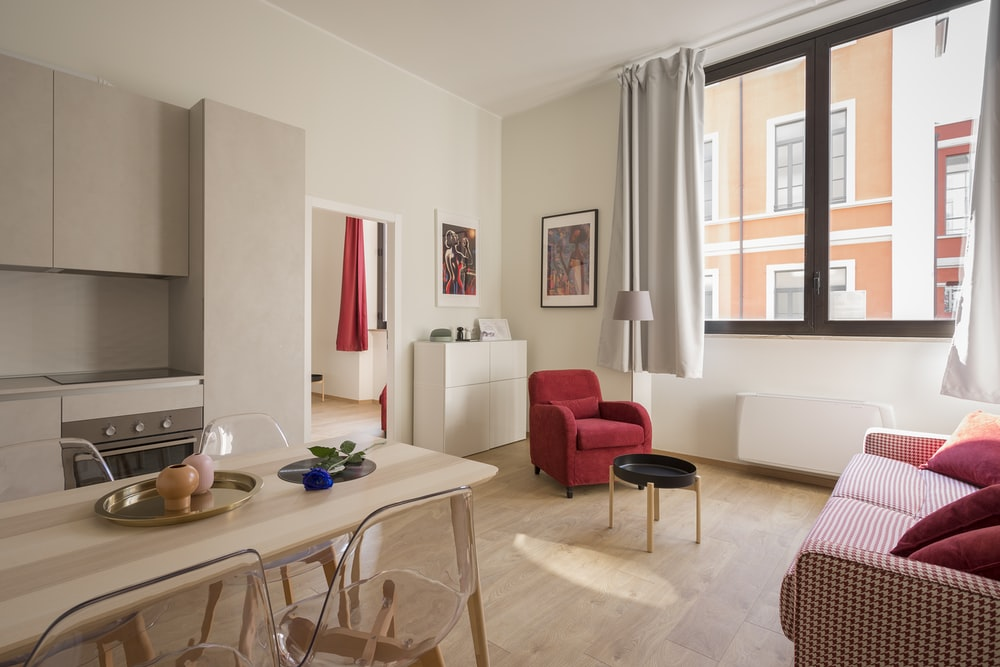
{"x": 633, "y": 305}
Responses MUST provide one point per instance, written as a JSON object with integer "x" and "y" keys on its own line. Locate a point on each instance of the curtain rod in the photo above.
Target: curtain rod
{"x": 763, "y": 23}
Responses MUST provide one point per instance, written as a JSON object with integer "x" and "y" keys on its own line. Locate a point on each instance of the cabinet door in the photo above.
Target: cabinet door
{"x": 467, "y": 419}
{"x": 25, "y": 164}
{"x": 508, "y": 359}
{"x": 29, "y": 419}
{"x": 120, "y": 188}
{"x": 508, "y": 411}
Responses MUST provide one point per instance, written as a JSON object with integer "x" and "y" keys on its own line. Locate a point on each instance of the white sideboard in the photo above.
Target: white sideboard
{"x": 469, "y": 396}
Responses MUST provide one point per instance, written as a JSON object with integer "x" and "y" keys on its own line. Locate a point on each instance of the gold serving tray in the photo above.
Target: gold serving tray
{"x": 139, "y": 504}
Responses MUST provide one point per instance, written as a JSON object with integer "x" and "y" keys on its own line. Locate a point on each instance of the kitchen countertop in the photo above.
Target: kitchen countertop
{"x": 39, "y": 386}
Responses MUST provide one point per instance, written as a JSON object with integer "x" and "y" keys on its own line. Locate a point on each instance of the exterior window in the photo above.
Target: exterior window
{"x": 711, "y": 294}
{"x": 789, "y": 165}
{"x": 957, "y": 184}
{"x": 822, "y": 179}
{"x": 709, "y": 161}
{"x": 838, "y": 156}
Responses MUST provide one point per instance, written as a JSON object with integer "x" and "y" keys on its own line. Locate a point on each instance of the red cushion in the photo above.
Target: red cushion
{"x": 976, "y": 551}
{"x": 976, "y": 510}
{"x": 605, "y": 433}
{"x": 972, "y": 453}
{"x": 582, "y": 408}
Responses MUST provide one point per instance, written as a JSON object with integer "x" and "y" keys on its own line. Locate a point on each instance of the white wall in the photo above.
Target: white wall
{"x": 375, "y": 136}
{"x": 561, "y": 157}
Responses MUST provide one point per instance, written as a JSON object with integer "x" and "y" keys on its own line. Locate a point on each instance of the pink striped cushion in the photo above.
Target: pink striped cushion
{"x": 940, "y": 490}
{"x": 860, "y": 525}
{"x": 885, "y": 482}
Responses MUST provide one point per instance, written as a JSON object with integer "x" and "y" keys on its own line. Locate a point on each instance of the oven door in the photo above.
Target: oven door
{"x": 141, "y": 456}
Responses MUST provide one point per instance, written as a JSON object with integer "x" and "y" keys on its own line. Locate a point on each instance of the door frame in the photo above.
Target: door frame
{"x": 394, "y": 235}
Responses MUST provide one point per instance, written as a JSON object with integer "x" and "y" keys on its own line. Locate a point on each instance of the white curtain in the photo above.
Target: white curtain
{"x": 973, "y": 368}
{"x": 656, "y": 230}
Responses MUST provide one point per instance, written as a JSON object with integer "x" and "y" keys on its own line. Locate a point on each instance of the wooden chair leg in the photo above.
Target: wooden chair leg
{"x": 432, "y": 658}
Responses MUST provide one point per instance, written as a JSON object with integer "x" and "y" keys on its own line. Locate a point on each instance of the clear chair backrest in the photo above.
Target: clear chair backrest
{"x": 402, "y": 584}
{"x": 241, "y": 433}
{"x": 213, "y": 613}
{"x": 42, "y": 466}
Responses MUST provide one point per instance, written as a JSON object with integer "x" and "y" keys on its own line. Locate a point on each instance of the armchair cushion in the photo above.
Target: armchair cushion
{"x": 582, "y": 408}
{"x": 972, "y": 453}
{"x": 604, "y": 433}
{"x": 980, "y": 509}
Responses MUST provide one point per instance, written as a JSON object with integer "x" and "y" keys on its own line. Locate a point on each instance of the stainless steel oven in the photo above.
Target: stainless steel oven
{"x": 142, "y": 443}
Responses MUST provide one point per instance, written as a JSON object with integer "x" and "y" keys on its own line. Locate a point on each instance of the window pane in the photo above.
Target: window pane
{"x": 906, "y": 137}
{"x": 759, "y": 221}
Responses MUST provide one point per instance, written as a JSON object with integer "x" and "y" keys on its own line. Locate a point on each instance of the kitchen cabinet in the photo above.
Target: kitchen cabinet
{"x": 240, "y": 315}
{"x": 469, "y": 396}
{"x": 25, "y": 163}
{"x": 120, "y": 180}
{"x": 30, "y": 419}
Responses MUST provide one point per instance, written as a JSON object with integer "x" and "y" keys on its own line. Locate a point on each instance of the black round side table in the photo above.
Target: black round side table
{"x": 654, "y": 472}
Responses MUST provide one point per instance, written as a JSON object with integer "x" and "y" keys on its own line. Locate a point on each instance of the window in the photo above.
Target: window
{"x": 822, "y": 177}
{"x": 789, "y": 164}
{"x": 957, "y": 184}
{"x": 709, "y": 162}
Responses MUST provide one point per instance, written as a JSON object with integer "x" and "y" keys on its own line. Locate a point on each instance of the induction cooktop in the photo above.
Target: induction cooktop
{"x": 113, "y": 376}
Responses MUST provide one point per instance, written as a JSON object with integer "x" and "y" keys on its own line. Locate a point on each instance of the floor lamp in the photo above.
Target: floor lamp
{"x": 633, "y": 306}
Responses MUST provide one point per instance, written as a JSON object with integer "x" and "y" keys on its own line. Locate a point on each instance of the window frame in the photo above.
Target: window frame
{"x": 816, "y": 47}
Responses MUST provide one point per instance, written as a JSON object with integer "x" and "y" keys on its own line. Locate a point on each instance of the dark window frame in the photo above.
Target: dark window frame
{"x": 815, "y": 47}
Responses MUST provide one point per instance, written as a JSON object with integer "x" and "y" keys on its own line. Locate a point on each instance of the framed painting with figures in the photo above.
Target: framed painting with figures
{"x": 457, "y": 260}
{"x": 569, "y": 267}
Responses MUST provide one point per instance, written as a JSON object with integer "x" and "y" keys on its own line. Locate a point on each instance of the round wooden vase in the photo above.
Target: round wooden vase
{"x": 175, "y": 484}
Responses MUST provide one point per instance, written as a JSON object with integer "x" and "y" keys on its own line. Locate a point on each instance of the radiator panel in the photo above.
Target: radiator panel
{"x": 813, "y": 435}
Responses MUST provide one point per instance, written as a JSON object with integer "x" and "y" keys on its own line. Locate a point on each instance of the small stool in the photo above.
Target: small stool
{"x": 318, "y": 377}
{"x": 654, "y": 472}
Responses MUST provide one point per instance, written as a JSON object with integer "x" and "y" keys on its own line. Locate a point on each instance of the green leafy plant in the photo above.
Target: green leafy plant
{"x": 334, "y": 459}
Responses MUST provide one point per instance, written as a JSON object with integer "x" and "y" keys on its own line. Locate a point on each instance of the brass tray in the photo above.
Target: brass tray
{"x": 140, "y": 505}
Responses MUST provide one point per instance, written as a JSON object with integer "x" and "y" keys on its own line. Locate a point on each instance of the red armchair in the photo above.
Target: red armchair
{"x": 574, "y": 434}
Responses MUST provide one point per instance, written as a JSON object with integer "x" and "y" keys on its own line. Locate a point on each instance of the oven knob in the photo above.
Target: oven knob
{"x": 167, "y": 422}
{"x": 110, "y": 430}
{"x": 139, "y": 427}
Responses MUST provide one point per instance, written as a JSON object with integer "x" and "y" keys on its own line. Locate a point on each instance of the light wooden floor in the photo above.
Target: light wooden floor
{"x": 561, "y": 589}
{"x": 338, "y": 416}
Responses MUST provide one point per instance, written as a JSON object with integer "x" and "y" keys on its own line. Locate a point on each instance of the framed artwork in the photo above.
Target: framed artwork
{"x": 457, "y": 259}
{"x": 569, "y": 264}
{"x": 494, "y": 330}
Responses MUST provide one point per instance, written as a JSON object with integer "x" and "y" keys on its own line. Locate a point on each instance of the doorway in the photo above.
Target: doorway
{"x": 319, "y": 214}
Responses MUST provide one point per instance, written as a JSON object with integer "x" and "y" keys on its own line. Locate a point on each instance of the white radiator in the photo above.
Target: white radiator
{"x": 815, "y": 435}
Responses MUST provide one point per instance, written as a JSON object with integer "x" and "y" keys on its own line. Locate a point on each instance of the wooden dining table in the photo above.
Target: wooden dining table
{"x": 56, "y": 551}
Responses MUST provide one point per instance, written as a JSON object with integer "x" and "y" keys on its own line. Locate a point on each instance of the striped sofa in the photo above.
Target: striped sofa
{"x": 845, "y": 600}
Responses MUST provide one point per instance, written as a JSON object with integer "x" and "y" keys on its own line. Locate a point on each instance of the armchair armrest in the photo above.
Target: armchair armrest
{"x": 625, "y": 411}
{"x": 913, "y": 447}
{"x": 854, "y": 607}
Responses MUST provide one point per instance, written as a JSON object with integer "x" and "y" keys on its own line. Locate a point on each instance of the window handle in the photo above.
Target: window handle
{"x": 817, "y": 282}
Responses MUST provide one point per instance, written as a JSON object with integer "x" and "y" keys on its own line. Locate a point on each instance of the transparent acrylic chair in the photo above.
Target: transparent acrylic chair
{"x": 257, "y": 432}
{"x": 213, "y": 613}
{"x": 243, "y": 433}
{"x": 41, "y": 466}
{"x": 400, "y": 587}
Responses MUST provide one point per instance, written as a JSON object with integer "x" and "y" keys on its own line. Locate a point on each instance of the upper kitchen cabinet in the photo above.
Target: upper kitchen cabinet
{"x": 25, "y": 164}
{"x": 120, "y": 174}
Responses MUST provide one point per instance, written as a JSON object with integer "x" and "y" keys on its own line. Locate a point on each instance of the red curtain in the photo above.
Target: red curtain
{"x": 352, "y": 331}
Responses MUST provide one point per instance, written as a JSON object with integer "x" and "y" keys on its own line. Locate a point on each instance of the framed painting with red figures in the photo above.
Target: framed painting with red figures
{"x": 457, "y": 260}
{"x": 569, "y": 266}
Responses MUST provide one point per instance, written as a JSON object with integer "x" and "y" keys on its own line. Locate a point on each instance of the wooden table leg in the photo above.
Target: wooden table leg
{"x": 650, "y": 494}
{"x": 656, "y": 505}
{"x": 477, "y": 619}
{"x": 697, "y": 495}
{"x": 611, "y": 496}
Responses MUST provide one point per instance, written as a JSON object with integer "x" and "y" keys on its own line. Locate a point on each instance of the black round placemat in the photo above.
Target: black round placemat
{"x": 293, "y": 472}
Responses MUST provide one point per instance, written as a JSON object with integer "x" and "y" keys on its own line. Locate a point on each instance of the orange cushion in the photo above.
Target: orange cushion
{"x": 972, "y": 452}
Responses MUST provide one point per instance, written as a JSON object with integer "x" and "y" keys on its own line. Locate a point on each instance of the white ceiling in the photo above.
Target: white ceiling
{"x": 507, "y": 56}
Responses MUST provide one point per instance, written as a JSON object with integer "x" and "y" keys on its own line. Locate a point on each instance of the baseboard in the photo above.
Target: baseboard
{"x": 765, "y": 471}
{"x": 355, "y": 401}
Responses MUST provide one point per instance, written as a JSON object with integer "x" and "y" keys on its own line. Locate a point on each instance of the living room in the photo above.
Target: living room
{"x": 382, "y": 140}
